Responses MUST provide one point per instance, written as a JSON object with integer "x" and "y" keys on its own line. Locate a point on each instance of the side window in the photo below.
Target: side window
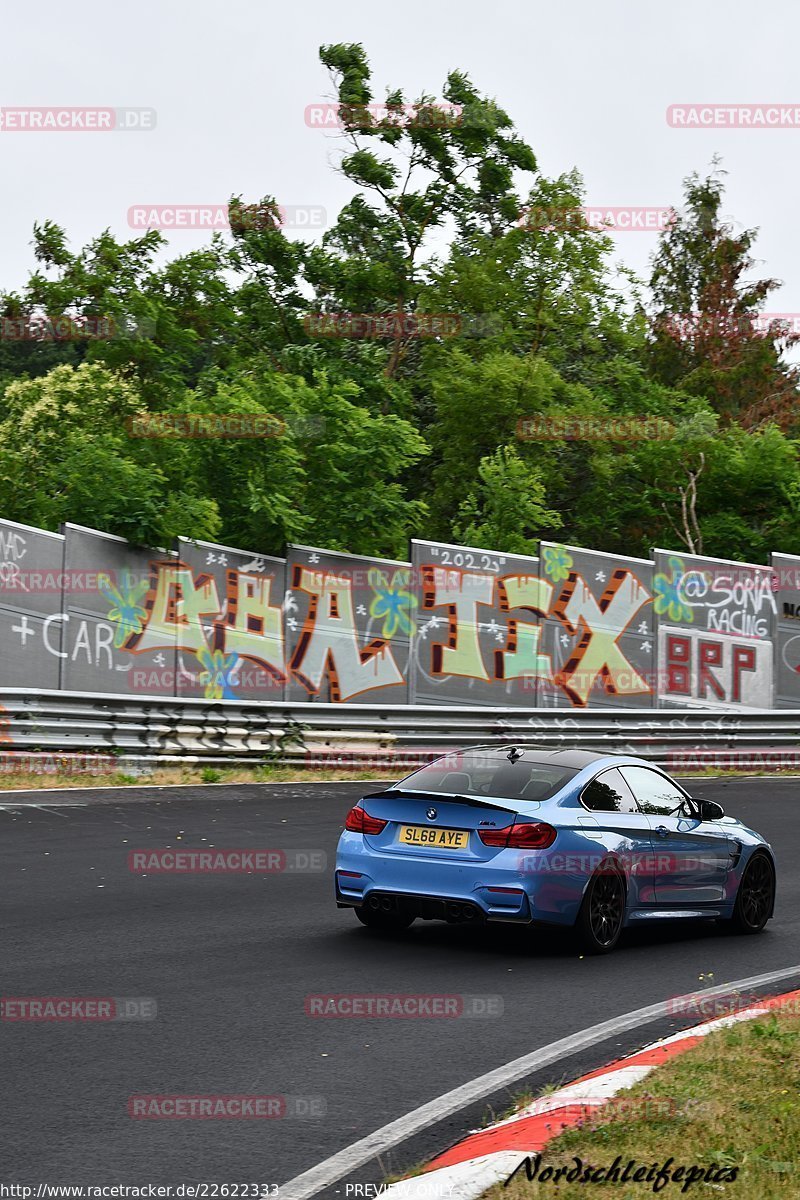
{"x": 608, "y": 793}
{"x": 654, "y": 793}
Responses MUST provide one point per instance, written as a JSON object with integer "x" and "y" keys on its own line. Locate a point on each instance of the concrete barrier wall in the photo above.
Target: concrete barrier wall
{"x": 786, "y": 678}
{"x": 109, "y": 637}
{"x": 230, "y": 636}
{"x": 348, "y": 627}
{"x": 31, "y": 585}
{"x": 83, "y": 611}
{"x": 716, "y": 632}
{"x": 477, "y": 626}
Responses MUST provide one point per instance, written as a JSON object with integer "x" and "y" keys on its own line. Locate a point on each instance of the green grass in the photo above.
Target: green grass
{"x": 196, "y": 774}
{"x": 734, "y": 1100}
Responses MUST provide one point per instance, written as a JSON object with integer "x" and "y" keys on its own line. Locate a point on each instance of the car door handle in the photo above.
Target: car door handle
{"x": 662, "y": 830}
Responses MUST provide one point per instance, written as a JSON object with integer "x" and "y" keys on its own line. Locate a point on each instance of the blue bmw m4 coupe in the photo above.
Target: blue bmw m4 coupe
{"x": 592, "y": 841}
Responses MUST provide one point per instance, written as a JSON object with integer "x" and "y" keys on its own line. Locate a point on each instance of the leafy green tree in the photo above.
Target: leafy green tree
{"x": 702, "y": 486}
{"x": 165, "y": 325}
{"x": 328, "y": 470}
{"x": 66, "y": 455}
{"x": 417, "y": 166}
{"x": 706, "y": 336}
{"x": 379, "y": 437}
{"x": 499, "y": 400}
{"x": 545, "y": 286}
{"x": 505, "y": 508}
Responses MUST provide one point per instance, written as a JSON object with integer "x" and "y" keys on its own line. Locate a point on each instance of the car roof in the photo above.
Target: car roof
{"x": 576, "y": 759}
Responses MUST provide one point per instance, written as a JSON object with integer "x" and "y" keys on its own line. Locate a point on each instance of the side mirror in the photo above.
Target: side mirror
{"x": 709, "y": 810}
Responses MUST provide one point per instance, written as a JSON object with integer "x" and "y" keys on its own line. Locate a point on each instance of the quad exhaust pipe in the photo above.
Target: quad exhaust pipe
{"x": 454, "y": 910}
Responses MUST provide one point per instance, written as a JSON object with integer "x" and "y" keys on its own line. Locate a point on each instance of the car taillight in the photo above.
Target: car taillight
{"x": 495, "y": 837}
{"x": 536, "y": 836}
{"x": 359, "y": 821}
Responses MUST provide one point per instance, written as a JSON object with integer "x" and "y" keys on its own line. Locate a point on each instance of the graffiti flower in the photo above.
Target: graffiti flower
{"x": 127, "y": 611}
{"x": 392, "y": 601}
{"x": 216, "y": 675}
{"x": 557, "y": 562}
{"x": 669, "y": 599}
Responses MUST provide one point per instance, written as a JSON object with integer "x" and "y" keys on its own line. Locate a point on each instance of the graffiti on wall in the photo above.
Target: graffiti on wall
{"x": 200, "y": 621}
{"x": 716, "y": 630}
{"x": 228, "y": 608}
{"x": 477, "y": 631}
{"x": 85, "y": 611}
{"x": 599, "y": 633}
{"x": 31, "y": 577}
{"x": 348, "y": 624}
{"x": 104, "y": 610}
{"x": 570, "y": 628}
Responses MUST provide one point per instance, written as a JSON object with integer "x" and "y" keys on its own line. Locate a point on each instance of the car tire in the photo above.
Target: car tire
{"x": 602, "y": 912}
{"x": 755, "y": 897}
{"x": 378, "y": 919}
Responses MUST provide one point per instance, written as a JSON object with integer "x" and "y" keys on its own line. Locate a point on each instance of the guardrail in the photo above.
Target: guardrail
{"x": 146, "y": 731}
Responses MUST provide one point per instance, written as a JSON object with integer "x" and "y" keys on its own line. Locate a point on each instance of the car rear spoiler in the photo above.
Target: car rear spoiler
{"x": 471, "y": 801}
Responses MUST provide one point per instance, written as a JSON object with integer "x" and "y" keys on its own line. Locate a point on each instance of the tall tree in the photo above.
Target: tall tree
{"x": 419, "y": 165}
{"x": 710, "y": 335}
{"x": 68, "y": 452}
{"x": 164, "y": 325}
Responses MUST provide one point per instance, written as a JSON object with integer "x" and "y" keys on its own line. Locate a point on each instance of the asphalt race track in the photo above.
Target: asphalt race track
{"x": 229, "y": 960}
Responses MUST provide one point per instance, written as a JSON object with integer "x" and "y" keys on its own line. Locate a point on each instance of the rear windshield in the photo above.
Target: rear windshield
{"x": 482, "y": 773}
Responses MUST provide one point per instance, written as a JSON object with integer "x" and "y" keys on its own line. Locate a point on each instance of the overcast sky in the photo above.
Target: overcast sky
{"x": 587, "y": 84}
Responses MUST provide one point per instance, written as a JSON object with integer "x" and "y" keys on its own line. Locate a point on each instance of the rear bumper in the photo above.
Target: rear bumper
{"x": 507, "y": 907}
{"x": 506, "y": 887}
